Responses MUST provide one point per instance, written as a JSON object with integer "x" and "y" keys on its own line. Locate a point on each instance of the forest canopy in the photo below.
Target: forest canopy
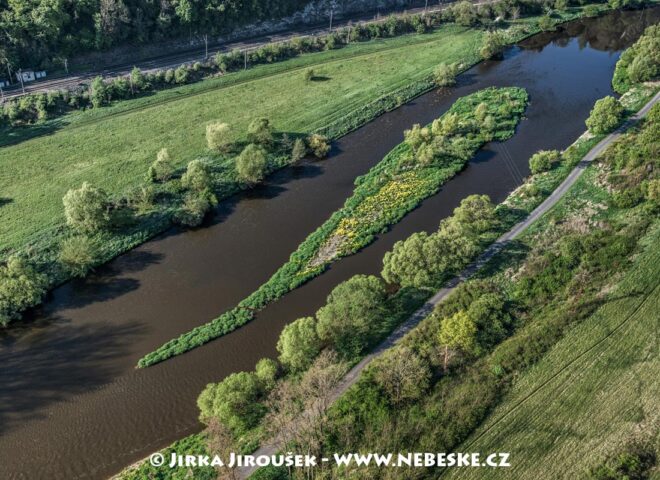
{"x": 44, "y": 32}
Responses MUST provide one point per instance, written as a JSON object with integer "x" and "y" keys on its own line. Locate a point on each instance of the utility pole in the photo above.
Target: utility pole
{"x": 20, "y": 76}
{"x": 426, "y": 6}
{"x": 206, "y": 46}
{"x": 66, "y": 65}
{"x": 245, "y": 59}
{"x": 2, "y": 95}
{"x": 332, "y": 10}
{"x": 9, "y": 72}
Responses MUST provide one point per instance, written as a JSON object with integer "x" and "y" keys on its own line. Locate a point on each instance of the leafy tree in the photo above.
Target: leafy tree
{"x": 457, "y": 332}
{"x": 197, "y": 176}
{"x": 21, "y": 286}
{"x": 251, "y": 164}
{"x": 411, "y": 262}
{"x": 98, "y": 92}
{"x": 489, "y": 314}
{"x": 493, "y": 45}
{"x": 218, "y": 136}
{"x": 546, "y": 23}
{"x": 266, "y": 372}
{"x": 86, "y": 208}
{"x": 476, "y": 214}
{"x": 234, "y": 402}
{"x": 260, "y": 132}
{"x": 481, "y": 112}
{"x": 319, "y": 145}
{"x": 354, "y": 315}
{"x": 299, "y": 150}
{"x": 162, "y": 169}
{"x": 605, "y": 115}
{"x": 402, "y": 374}
{"x": 78, "y": 254}
{"x": 445, "y": 74}
{"x": 465, "y": 13}
{"x": 299, "y": 344}
{"x": 543, "y": 160}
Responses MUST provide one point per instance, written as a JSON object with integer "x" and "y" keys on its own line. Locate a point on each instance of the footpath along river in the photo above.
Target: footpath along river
{"x": 72, "y": 405}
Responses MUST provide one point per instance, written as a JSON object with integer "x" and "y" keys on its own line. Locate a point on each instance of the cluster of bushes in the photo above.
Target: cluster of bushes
{"x": 640, "y": 62}
{"x": 411, "y": 172}
{"x": 633, "y": 165}
{"x": 94, "y": 218}
{"x": 358, "y": 314}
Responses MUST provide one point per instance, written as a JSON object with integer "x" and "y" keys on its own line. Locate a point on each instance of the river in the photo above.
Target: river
{"x": 72, "y": 405}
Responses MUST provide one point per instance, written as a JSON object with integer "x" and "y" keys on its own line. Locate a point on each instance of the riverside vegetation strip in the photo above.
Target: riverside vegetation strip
{"x": 519, "y": 203}
{"x": 411, "y": 172}
{"x": 112, "y": 147}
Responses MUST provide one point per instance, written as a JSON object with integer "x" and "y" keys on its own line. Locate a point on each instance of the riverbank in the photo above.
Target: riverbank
{"x": 90, "y": 151}
{"x": 411, "y": 172}
{"x": 76, "y": 358}
{"x": 528, "y": 200}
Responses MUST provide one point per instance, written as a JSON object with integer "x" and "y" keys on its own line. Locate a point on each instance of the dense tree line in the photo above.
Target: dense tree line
{"x": 38, "y": 32}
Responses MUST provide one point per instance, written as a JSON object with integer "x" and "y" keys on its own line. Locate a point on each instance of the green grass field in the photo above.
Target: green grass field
{"x": 592, "y": 392}
{"x": 113, "y": 148}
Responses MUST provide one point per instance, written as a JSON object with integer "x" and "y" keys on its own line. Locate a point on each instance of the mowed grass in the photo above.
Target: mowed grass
{"x": 590, "y": 394}
{"x": 113, "y": 148}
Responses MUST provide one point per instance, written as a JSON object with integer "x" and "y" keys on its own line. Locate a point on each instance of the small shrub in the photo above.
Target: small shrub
{"x": 195, "y": 207}
{"x": 605, "y": 115}
{"x": 21, "y": 286}
{"x": 543, "y": 160}
{"x": 298, "y": 151}
{"x": 86, "y": 208}
{"x": 260, "y": 132}
{"x": 251, "y": 164}
{"x": 78, "y": 255}
{"x": 218, "y": 136}
{"x": 445, "y": 74}
{"x": 162, "y": 169}
{"x": 319, "y": 145}
{"x": 197, "y": 176}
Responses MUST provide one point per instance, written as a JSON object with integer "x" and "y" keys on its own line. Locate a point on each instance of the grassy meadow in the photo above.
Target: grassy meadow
{"x": 113, "y": 148}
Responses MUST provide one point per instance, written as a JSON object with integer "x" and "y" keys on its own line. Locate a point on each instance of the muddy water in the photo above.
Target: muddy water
{"x": 71, "y": 403}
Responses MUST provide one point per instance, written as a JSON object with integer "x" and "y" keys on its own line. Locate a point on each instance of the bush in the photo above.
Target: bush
{"x": 218, "y": 136}
{"x": 195, "y": 207}
{"x": 162, "y": 169}
{"x": 298, "y": 151}
{"x": 546, "y": 23}
{"x": 493, "y": 45}
{"x": 605, "y": 115}
{"x": 309, "y": 74}
{"x": 181, "y": 74}
{"x": 197, "y": 176}
{"x": 445, "y": 74}
{"x": 251, "y": 164}
{"x": 266, "y": 372}
{"x": 299, "y": 344}
{"x": 354, "y": 315}
{"x": 78, "y": 255}
{"x": 543, "y": 160}
{"x": 86, "y": 208}
{"x": 640, "y": 62}
{"x": 98, "y": 92}
{"x": 260, "y": 132}
{"x": 319, "y": 145}
{"x": 21, "y": 286}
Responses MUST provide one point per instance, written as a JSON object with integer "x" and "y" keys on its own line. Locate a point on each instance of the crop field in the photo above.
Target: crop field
{"x": 113, "y": 148}
{"x": 592, "y": 392}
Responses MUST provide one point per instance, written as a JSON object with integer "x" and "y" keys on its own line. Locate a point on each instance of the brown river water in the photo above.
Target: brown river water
{"x": 72, "y": 405}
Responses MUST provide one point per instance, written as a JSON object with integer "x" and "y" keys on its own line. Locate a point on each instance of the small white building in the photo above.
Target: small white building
{"x": 4, "y": 83}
